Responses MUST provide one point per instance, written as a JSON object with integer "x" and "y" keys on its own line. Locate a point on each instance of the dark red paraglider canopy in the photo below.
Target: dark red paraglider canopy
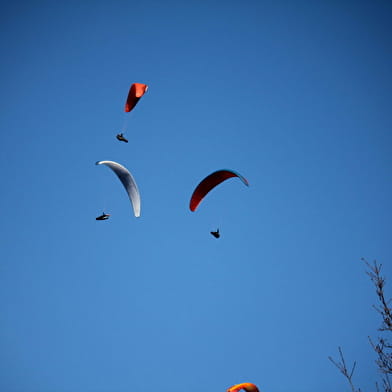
{"x": 136, "y": 91}
{"x": 211, "y": 182}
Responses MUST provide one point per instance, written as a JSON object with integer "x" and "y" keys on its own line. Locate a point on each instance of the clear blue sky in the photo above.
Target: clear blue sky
{"x": 294, "y": 95}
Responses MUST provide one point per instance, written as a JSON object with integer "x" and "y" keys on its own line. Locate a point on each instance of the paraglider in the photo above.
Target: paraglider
{"x": 102, "y": 217}
{"x": 136, "y": 91}
{"x": 247, "y": 386}
{"x": 128, "y": 181}
{"x": 120, "y": 136}
{"x": 215, "y": 233}
{"x": 211, "y": 182}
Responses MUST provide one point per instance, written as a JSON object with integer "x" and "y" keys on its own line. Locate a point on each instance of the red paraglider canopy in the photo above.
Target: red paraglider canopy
{"x": 136, "y": 91}
{"x": 211, "y": 182}
{"x": 247, "y": 386}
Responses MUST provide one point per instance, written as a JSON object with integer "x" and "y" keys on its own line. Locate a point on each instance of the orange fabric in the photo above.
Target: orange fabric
{"x": 248, "y": 386}
{"x": 211, "y": 182}
{"x": 136, "y": 91}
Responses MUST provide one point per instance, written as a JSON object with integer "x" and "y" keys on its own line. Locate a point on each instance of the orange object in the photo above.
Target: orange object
{"x": 211, "y": 182}
{"x": 136, "y": 91}
{"x": 248, "y": 386}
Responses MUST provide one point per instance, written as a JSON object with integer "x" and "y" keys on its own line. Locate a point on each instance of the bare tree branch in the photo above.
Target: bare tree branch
{"x": 379, "y": 281}
{"x": 341, "y": 365}
{"x": 382, "y": 347}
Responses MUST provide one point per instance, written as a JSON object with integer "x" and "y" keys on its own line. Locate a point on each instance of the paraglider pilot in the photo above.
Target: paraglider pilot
{"x": 102, "y": 217}
{"x": 215, "y": 233}
{"x": 121, "y": 137}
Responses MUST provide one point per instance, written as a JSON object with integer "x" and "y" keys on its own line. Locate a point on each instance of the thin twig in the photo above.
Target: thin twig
{"x": 341, "y": 365}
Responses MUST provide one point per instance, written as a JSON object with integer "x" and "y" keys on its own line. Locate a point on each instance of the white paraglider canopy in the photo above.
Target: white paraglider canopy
{"x": 128, "y": 181}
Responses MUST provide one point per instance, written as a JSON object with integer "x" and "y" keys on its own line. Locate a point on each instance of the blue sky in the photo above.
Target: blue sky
{"x": 295, "y": 96}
